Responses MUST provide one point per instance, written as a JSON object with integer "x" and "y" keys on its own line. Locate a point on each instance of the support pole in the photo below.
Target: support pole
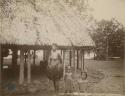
{"x": 25, "y": 57}
{"x": 0, "y": 72}
{"x": 21, "y": 78}
{"x": 64, "y": 66}
{"x": 74, "y": 61}
{"x": 81, "y": 57}
{"x": 43, "y": 55}
{"x": 83, "y": 60}
{"x": 77, "y": 59}
{"x": 70, "y": 58}
{"x": 14, "y": 57}
{"x": 61, "y": 52}
{"x": 14, "y": 61}
{"x": 62, "y": 55}
{"x": 29, "y": 67}
{"x": 34, "y": 57}
{"x": 107, "y": 49}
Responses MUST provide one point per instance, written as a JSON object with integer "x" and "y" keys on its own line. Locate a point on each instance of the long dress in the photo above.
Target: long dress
{"x": 55, "y": 67}
{"x": 68, "y": 82}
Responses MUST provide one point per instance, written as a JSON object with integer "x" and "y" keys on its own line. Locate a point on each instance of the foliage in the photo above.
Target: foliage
{"x": 109, "y": 39}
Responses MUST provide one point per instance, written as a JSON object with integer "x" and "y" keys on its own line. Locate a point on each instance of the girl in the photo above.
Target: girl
{"x": 68, "y": 80}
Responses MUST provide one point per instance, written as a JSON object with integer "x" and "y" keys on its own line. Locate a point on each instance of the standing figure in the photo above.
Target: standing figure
{"x": 69, "y": 83}
{"x": 55, "y": 67}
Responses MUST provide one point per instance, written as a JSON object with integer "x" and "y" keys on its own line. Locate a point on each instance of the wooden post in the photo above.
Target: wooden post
{"x": 61, "y": 52}
{"x": 29, "y": 67}
{"x": 107, "y": 49}
{"x": 14, "y": 57}
{"x": 81, "y": 60}
{"x": 70, "y": 58}
{"x": 14, "y": 61}
{"x": 64, "y": 70}
{"x": 34, "y": 56}
{"x": 62, "y": 55}
{"x": 0, "y": 72}
{"x": 44, "y": 55}
{"x": 25, "y": 57}
{"x": 74, "y": 61}
{"x": 77, "y": 59}
{"x": 21, "y": 78}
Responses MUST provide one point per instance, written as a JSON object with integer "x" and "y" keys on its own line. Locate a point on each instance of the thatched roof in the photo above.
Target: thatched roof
{"x": 49, "y": 22}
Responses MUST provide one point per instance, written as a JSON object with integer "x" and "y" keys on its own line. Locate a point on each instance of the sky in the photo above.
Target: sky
{"x": 107, "y": 9}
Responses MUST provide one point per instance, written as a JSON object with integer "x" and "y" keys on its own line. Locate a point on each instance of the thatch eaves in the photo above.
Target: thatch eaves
{"x": 49, "y": 22}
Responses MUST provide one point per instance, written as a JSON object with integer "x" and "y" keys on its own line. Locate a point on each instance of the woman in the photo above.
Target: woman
{"x": 55, "y": 68}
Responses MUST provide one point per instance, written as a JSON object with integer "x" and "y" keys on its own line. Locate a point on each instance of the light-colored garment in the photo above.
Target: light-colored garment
{"x": 54, "y": 54}
{"x": 68, "y": 82}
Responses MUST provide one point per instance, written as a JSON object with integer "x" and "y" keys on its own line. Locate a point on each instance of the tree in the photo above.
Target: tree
{"x": 109, "y": 39}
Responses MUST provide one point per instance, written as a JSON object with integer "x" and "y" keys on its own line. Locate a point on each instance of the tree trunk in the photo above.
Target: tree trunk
{"x": 21, "y": 78}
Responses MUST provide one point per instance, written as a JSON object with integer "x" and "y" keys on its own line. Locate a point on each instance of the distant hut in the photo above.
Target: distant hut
{"x": 33, "y": 26}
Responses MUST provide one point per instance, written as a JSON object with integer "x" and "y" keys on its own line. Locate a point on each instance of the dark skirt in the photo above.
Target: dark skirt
{"x": 55, "y": 70}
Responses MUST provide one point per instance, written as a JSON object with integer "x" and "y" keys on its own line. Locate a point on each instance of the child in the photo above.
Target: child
{"x": 83, "y": 75}
{"x": 68, "y": 80}
{"x": 83, "y": 83}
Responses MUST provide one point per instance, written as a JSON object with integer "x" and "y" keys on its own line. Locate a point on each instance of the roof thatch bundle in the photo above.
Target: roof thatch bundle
{"x": 44, "y": 23}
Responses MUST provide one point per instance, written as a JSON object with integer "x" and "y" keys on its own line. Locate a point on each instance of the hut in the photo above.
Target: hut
{"x": 33, "y": 26}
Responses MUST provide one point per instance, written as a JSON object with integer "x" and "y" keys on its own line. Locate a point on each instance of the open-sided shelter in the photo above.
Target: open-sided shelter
{"x": 33, "y": 26}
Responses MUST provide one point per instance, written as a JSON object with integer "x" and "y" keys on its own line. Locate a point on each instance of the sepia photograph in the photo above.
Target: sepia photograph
{"x": 62, "y": 48}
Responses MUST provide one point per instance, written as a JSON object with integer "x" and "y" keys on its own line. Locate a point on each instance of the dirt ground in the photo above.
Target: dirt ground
{"x": 103, "y": 77}
{"x": 113, "y": 80}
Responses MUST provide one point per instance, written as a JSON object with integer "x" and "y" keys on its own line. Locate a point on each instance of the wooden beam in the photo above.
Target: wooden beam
{"x": 29, "y": 66}
{"x": 21, "y": 76}
{"x": 45, "y": 47}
